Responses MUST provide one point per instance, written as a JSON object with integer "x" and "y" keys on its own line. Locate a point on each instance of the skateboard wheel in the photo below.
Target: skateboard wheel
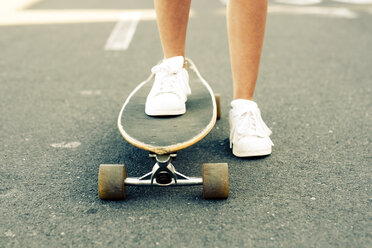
{"x": 111, "y": 178}
{"x": 215, "y": 181}
{"x": 218, "y": 105}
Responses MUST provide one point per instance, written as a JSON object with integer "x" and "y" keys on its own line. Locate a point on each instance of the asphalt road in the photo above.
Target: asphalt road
{"x": 61, "y": 92}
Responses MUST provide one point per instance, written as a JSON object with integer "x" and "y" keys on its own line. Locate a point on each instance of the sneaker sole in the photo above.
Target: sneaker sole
{"x": 251, "y": 153}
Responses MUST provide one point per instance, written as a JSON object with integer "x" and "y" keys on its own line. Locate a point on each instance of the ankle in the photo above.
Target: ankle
{"x": 243, "y": 97}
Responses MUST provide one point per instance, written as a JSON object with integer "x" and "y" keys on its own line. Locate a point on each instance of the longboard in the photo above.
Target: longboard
{"x": 163, "y": 137}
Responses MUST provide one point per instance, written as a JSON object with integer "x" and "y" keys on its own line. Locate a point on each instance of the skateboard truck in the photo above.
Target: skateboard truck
{"x": 113, "y": 180}
{"x": 163, "y": 173}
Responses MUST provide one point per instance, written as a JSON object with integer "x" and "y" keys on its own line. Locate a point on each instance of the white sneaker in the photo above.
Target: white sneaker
{"x": 169, "y": 93}
{"x": 249, "y": 135}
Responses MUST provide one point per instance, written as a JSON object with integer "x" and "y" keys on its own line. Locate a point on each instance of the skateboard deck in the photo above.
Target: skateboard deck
{"x": 163, "y": 135}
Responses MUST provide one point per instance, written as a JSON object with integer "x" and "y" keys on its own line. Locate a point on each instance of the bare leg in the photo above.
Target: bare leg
{"x": 170, "y": 89}
{"x": 172, "y": 19}
{"x": 246, "y": 27}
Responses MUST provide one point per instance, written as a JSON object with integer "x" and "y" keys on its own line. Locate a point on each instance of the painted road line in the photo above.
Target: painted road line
{"x": 38, "y": 17}
{"x": 354, "y": 1}
{"x": 299, "y": 2}
{"x": 330, "y": 12}
{"x": 91, "y": 92}
{"x": 319, "y": 11}
{"x": 70, "y": 145}
{"x": 123, "y": 32}
{"x": 15, "y": 5}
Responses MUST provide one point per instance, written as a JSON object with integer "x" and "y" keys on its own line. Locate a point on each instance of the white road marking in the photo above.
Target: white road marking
{"x": 90, "y": 92}
{"x": 299, "y": 2}
{"x": 331, "y": 12}
{"x": 354, "y": 1}
{"x": 15, "y": 5}
{"x": 66, "y": 145}
{"x": 37, "y": 17}
{"x": 319, "y": 11}
{"x": 123, "y": 32}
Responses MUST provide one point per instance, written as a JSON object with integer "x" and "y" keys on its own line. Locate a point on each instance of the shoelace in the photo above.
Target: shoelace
{"x": 167, "y": 81}
{"x": 250, "y": 123}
